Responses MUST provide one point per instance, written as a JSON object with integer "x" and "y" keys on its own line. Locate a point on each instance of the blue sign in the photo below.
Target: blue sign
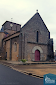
{"x": 49, "y": 79}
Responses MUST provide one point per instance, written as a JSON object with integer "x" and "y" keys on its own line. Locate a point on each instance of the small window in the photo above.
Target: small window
{"x": 37, "y": 36}
{"x": 15, "y": 46}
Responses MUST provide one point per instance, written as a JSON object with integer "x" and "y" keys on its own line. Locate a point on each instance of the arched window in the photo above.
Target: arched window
{"x": 15, "y": 46}
{"x": 37, "y": 37}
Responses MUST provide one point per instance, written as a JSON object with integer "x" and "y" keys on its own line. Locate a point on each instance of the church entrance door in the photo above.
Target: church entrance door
{"x": 37, "y": 55}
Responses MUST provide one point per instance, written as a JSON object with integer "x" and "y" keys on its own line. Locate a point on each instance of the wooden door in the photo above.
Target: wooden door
{"x": 37, "y": 55}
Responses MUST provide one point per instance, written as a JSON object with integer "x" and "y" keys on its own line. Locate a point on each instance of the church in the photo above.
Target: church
{"x": 31, "y": 42}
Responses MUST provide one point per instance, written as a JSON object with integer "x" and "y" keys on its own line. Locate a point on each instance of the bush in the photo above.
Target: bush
{"x": 23, "y": 60}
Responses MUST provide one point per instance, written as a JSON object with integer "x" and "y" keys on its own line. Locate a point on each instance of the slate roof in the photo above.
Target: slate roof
{"x": 2, "y": 30}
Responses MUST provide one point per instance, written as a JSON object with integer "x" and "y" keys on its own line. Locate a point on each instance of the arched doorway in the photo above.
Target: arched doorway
{"x": 37, "y": 55}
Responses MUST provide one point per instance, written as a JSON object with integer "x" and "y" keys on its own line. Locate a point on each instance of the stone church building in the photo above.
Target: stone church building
{"x": 31, "y": 42}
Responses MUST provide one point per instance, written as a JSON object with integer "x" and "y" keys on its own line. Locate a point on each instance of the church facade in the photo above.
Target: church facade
{"x": 31, "y": 42}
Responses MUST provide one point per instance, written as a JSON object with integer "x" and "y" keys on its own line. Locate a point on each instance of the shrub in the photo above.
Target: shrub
{"x": 23, "y": 60}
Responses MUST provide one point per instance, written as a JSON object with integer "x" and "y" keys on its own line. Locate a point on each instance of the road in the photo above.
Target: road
{"x": 9, "y": 76}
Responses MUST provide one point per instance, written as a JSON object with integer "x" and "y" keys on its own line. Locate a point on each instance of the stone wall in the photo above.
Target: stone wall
{"x": 15, "y": 53}
{"x": 15, "y": 26}
{"x": 8, "y": 49}
{"x": 29, "y": 36}
{"x": 1, "y": 37}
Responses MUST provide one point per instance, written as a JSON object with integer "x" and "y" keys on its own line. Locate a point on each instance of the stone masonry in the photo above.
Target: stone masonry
{"x": 29, "y": 35}
{"x": 31, "y": 42}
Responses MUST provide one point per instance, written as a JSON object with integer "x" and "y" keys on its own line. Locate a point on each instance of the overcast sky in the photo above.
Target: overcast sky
{"x": 22, "y": 10}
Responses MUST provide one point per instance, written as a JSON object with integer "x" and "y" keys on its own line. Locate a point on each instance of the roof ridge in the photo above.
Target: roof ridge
{"x": 29, "y": 20}
{"x": 40, "y": 18}
{"x": 11, "y": 22}
{"x": 43, "y": 21}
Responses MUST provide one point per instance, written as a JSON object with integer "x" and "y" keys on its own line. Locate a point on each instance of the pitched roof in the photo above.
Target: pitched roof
{"x": 2, "y": 30}
{"x": 11, "y": 34}
{"x": 11, "y": 22}
{"x": 40, "y": 18}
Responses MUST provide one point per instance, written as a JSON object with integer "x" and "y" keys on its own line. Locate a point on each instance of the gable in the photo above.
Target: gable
{"x": 34, "y": 25}
{"x": 35, "y": 22}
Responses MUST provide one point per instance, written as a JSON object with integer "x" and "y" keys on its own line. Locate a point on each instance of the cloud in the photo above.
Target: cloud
{"x": 22, "y": 10}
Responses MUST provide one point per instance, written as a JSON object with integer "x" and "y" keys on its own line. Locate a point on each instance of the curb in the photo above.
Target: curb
{"x": 34, "y": 75}
{"x": 36, "y": 63}
{"x": 25, "y": 72}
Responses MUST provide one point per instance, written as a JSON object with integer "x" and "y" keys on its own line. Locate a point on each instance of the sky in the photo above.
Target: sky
{"x": 22, "y": 10}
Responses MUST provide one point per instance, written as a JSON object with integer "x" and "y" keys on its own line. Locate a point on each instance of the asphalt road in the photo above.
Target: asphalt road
{"x": 9, "y": 76}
